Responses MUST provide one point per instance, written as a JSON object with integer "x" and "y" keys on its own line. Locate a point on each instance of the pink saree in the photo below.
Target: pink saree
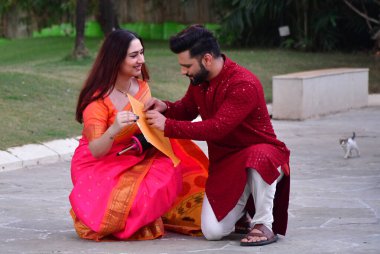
{"x": 134, "y": 196}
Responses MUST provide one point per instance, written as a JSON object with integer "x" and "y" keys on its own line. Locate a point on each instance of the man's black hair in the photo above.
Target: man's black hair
{"x": 197, "y": 39}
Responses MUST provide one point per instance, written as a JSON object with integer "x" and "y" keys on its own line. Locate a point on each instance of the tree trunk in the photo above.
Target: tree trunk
{"x": 80, "y": 50}
{"x": 376, "y": 38}
{"x": 107, "y": 16}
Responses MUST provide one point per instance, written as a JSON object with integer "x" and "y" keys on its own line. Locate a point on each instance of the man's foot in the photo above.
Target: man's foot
{"x": 259, "y": 235}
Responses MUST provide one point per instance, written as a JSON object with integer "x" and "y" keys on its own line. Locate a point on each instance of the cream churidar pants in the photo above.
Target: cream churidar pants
{"x": 263, "y": 195}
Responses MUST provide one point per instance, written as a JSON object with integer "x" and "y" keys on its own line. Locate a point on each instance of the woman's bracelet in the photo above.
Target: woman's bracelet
{"x": 112, "y": 137}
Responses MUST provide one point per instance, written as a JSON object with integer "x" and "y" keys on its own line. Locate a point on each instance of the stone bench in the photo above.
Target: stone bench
{"x": 302, "y": 95}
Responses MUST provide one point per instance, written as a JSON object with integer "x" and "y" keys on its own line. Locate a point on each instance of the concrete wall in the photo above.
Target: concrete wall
{"x": 302, "y": 95}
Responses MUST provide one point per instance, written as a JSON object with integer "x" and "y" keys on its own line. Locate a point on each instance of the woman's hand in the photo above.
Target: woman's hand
{"x": 123, "y": 119}
{"x": 155, "y": 104}
{"x": 101, "y": 146}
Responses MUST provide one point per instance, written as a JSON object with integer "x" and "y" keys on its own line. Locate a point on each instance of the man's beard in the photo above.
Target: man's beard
{"x": 199, "y": 77}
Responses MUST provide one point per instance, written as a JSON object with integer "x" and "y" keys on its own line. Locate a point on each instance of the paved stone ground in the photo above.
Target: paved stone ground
{"x": 334, "y": 205}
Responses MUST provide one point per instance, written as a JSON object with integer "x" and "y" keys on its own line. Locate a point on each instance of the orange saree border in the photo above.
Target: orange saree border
{"x": 149, "y": 232}
{"x": 82, "y": 230}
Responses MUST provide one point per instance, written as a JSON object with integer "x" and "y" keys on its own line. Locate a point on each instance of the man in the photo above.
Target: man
{"x": 245, "y": 156}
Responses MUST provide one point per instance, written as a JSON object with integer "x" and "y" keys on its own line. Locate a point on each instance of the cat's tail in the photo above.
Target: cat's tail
{"x": 353, "y": 136}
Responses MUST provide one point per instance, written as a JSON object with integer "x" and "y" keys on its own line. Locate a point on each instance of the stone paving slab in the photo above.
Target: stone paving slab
{"x": 64, "y": 147}
{"x": 34, "y": 154}
{"x": 334, "y": 202}
{"x": 9, "y": 161}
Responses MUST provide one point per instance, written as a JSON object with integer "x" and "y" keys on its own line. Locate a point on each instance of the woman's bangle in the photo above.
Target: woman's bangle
{"x": 111, "y": 133}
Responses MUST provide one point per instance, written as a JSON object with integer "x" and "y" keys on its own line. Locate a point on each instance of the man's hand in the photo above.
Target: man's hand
{"x": 155, "y": 104}
{"x": 155, "y": 119}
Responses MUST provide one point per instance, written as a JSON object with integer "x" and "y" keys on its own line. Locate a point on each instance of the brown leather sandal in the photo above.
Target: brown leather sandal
{"x": 265, "y": 232}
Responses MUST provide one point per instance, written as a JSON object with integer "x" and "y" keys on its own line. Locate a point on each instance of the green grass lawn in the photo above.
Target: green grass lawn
{"x": 39, "y": 88}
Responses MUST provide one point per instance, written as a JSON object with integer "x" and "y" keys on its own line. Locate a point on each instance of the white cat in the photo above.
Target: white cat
{"x": 349, "y": 145}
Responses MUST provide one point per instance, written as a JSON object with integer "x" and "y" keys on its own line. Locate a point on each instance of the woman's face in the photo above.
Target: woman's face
{"x": 134, "y": 59}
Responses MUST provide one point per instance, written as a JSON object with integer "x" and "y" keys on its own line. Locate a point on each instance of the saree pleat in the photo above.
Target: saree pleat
{"x": 122, "y": 197}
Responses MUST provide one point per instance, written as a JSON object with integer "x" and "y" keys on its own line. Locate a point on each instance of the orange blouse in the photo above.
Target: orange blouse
{"x": 100, "y": 114}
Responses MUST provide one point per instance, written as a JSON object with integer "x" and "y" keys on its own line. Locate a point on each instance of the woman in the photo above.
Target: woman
{"x": 133, "y": 195}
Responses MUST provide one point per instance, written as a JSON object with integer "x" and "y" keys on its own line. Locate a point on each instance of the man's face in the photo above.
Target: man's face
{"x": 193, "y": 68}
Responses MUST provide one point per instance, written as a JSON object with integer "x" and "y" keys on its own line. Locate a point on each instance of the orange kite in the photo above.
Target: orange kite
{"x": 152, "y": 135}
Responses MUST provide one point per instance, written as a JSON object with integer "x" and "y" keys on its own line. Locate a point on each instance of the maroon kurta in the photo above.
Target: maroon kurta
{"x": 239, "y": 134}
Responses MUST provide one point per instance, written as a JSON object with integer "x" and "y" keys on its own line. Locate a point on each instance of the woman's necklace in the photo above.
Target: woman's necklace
{"x": 125, "y": 93}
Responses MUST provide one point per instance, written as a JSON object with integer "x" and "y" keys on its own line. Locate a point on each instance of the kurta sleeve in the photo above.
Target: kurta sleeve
{"x": 95, "y": 120}
{"x": 183, "y": 109}
{"x": 240, "y": 99}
